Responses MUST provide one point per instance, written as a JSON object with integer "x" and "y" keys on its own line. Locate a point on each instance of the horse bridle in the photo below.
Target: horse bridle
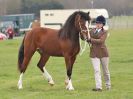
{"x": 83, "y": 31}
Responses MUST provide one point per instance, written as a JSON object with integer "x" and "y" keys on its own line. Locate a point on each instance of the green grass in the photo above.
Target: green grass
{"x": 120, "y": 44}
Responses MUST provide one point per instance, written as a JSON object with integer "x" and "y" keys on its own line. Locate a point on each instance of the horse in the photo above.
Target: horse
{"x": 52, "y": 42}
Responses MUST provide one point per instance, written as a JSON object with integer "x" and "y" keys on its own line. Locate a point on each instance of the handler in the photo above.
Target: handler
{"x": 99, "y": 53}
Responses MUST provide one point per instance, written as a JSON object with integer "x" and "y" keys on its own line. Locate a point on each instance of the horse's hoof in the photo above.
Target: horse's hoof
{"x": 20, "y": 86}
{"x": 70, "y": 89}
{"x": 51, "y": 82}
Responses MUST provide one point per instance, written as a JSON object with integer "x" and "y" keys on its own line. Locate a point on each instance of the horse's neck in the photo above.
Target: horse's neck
{"x": 75, "y": 39}
{"x": 73, "y": 35}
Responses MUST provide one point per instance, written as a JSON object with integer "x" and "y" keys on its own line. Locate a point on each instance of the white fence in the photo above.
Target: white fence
{"x": 121, "y": 22}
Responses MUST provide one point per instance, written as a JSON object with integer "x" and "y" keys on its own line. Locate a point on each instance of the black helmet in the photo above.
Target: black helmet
{"x": 101, "y": 19}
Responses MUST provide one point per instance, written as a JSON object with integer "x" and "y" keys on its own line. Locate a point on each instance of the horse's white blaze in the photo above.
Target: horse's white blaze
{"x": 20, "y": 81}
{"x": 48, "y": 77}
{"x": 69, "y": 85}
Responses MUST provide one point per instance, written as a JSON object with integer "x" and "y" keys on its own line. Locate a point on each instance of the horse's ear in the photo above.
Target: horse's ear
{"x": 88, "y": 13}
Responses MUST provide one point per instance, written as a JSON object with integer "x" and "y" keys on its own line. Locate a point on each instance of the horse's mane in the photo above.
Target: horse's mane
{"x": 69, "y": 31}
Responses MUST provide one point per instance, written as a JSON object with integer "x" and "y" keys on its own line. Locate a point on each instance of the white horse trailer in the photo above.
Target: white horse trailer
{"x": 56, "y": 18}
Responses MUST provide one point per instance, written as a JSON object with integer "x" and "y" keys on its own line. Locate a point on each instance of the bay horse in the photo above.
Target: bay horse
{"x": 51, "y": 42}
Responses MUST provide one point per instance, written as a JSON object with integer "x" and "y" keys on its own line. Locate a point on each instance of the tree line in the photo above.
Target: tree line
{"x": 114, "y": 7}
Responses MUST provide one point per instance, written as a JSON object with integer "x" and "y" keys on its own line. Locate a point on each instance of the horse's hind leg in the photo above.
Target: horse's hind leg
{"x": 41, "y": 65}
{"x": 27, "y": 57}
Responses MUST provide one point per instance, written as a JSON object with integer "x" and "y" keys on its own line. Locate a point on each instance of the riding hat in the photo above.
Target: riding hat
{"x": 101, "y": 19}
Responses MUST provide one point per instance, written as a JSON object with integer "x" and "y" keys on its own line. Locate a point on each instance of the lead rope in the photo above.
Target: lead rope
{"x": 82, "y": 49}
{"x": 89, "y": 34}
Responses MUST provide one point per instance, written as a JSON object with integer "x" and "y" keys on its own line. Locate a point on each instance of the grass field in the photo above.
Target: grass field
{"x": 120, "y": 44}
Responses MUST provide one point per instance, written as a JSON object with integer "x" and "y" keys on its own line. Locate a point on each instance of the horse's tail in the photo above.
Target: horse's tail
{"x": 21, "y": 55}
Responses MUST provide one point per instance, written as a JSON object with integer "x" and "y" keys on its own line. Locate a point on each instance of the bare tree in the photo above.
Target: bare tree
{"x": 115, "y": 7}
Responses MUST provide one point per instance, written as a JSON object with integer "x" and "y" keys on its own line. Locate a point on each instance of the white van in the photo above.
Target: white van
{"x": 56, "y": 18}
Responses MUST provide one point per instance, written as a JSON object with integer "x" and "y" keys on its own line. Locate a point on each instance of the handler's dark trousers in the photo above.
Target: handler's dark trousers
{"x": 96, "y": 65}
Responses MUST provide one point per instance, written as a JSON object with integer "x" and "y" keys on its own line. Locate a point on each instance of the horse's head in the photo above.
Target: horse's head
{"x": 80, "y": 24}
{"x": 74, "y": 25}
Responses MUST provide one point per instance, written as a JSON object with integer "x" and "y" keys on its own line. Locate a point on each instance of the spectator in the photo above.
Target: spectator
{"x": 10, "y": 32}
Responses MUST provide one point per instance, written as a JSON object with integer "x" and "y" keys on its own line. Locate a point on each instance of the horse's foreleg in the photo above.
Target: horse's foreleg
{"x": 41, "y": 65}
{"x": 69, "y": 66}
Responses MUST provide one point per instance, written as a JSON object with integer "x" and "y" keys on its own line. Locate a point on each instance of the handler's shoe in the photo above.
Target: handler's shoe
{"x": 97, "y": 89}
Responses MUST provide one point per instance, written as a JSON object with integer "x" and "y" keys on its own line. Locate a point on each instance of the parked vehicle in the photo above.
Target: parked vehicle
{"x": 56, "y": 18}
{"x": 20, "y": 22}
